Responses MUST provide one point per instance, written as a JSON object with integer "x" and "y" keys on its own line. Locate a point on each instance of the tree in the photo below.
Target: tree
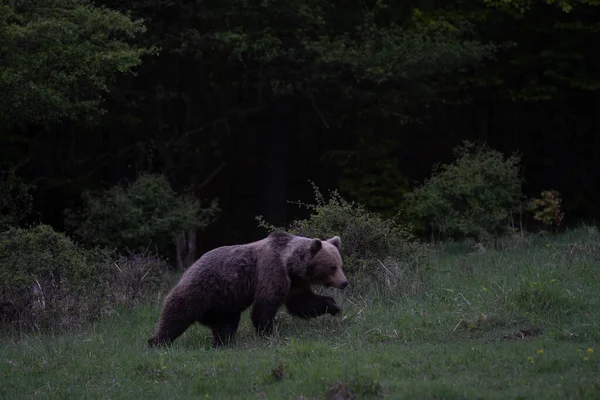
{"x": 146, "y": 212}
{"x": 59, "y": 58}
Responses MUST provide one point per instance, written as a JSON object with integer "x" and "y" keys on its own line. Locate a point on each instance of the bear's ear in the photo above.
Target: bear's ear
{"x": 336, "y": 241}
{"x": 315, "y": 246}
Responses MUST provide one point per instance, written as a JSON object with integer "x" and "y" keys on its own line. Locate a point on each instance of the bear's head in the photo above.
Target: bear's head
{"x": 325, "y": 267}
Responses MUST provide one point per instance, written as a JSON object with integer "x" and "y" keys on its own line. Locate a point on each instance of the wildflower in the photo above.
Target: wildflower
{"x": 530, "y": 359}
{"x": 590, "y": 351}
{"x": 586, "y": 359}
{"x": 484, "y": 289}
{"x": 540, "y": 351}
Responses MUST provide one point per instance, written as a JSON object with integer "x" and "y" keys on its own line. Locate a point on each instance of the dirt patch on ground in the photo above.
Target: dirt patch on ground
{"x": 524, "y": 333}
{"x": 339, "y": 391}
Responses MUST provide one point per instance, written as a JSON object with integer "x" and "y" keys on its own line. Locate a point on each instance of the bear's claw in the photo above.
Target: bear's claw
{"x": 332, "y": 307}
{"x": 156, "y": 342}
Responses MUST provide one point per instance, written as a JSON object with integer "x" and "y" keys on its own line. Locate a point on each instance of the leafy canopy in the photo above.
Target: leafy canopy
{"x": 314, "y": 48}
{"x": 59, "y": 57}
{"x": 145, "y": 212}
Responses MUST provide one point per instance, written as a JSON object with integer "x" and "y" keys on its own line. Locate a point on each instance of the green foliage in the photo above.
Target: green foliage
{"x": 419, "y": 52}
{"x": 15, "y": 199}
{"x": 547, "y": 209}
{"x": 60, "y": 56}
{"x": 27, "y": 253}
{"x": 548, "y": 43}
{"x": 523, "y": 6}
{"x": 39, "y": 269}
{"x": 137, "y": 215}
{"x": 48, "y": 281}
{"x": 306, "y": 49}
{"x": 372, "y": 246}
{"x": 471, "y": 197}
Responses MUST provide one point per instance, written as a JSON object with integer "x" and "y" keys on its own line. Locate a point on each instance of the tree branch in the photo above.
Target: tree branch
{"x": 212, "y": 175}
{"x": 201, "y": 128}
{"x": 314, "y": 105}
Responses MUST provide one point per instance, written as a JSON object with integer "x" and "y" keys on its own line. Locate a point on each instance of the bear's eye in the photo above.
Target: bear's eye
{"x": 332, "y": 268}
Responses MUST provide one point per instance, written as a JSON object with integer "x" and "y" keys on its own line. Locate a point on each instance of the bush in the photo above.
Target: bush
{"x": 372, "y": 247}
{"x": 146, "y": 212}
{"x": 43, "y": 276}
{"x": 48, "y": 281}
{"x": 547, "y": 209}
{"x": 129, "y": 279}
{"x": 473, "y": 197}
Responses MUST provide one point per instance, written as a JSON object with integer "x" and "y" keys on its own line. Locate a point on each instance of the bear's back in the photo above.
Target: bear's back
{"x": 226, "y": 259}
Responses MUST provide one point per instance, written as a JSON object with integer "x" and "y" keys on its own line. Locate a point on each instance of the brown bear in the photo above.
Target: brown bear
{"x": 266, "y": 274}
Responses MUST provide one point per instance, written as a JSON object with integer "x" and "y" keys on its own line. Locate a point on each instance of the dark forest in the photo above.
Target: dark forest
{"x": 246, "y": 102}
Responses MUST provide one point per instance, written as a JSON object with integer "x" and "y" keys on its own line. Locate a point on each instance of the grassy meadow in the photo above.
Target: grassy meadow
{"x": 521, "y": 322}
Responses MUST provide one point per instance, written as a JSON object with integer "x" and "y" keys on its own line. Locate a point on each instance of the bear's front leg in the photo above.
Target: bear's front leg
{"x": 272, "y": 288}
{"x": 306, "y": 304}
{"x": 263, "y": 315}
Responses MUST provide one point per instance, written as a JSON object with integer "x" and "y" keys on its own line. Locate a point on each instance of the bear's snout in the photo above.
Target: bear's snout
{"x": 338, "y": 285}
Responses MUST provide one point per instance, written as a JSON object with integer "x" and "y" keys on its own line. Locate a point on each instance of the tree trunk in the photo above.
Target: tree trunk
{"x": 191, "y": 247}
{"x": 185, "y": 247}
{"x": 179, "y": 247}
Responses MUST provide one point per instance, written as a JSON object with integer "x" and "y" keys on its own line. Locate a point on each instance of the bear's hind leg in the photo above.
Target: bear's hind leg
{"x": 169, "y": 329}
{"x": 224, "y": 329}
{"x": 175, "y": 318}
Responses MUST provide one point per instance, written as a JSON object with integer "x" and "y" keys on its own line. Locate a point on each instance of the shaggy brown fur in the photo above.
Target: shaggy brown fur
{"x": 266, "y": 274}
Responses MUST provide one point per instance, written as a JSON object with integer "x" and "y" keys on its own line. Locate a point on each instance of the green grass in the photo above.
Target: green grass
{"x": 507, "y": 324}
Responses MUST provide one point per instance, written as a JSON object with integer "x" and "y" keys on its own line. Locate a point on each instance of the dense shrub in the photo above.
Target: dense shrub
{"x": 43, "y": 274}
{"x": 373, "y": 247}
{"x": 472, "y": 197}
{"x": 547, "y": 209}
{"x": 135, "y": 216}
{"x": 37, "y": 252}
{"x": 129, "y": 279}
{"x": 48, "y": 281}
